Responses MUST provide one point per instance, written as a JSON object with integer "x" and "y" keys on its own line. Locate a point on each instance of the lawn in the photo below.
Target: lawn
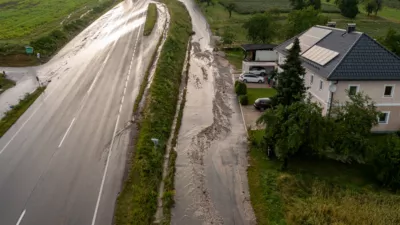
{"x": 5, "y": 83}
{"x": 254, "y": 93}
{"x": 235, "y": 57}
{"x": 316, "y": 192}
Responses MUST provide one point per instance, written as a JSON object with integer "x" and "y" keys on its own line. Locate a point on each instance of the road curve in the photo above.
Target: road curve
{"x": 63, "y": 161}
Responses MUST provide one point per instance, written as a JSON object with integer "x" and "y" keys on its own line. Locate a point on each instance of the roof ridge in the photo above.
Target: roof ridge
{"x": 345, "y": 55}
{"x": 382, "y": 46}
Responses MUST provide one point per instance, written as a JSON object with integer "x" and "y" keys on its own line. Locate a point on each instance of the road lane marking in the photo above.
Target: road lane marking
{"x": 101, "y": 69}
{"x": 21, "y": 217}
{"x": 66, "y": 133}
{"x": 112, "y": 142}
{"x": 23, "y": 125}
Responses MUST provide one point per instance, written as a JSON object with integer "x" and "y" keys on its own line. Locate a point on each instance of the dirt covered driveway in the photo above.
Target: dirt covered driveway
{"x": 211, "y": 179}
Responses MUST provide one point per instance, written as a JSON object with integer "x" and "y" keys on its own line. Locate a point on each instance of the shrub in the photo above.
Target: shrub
{"x": 386, "y": 162}
{"x": 241, "y": 88}
{"x": 244, "y": 100}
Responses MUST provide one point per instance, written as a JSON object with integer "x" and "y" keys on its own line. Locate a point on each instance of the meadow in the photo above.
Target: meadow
{"x": 218, "y": 18}
{"x": 315, "y": 191}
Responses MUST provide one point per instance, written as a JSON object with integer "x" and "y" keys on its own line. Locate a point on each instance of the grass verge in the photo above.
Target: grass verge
{"x": 151, "y": 19}
{"x": 11, "y": 116}
{"x": 316, "y": 192}
{"x": 235, "y": 57}
{"x": 169, "y": 187}
{"x": 5, "y": 83}
{"x": 145, "y": 81}
{"x": 254, "y": 93}
{"x": 137, "y": 202}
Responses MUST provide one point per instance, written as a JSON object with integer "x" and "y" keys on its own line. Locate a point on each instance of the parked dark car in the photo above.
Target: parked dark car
{"x": 262, "y": 103}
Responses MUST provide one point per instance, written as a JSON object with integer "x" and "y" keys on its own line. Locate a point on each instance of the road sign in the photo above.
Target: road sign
{"x": 28, "y": 50}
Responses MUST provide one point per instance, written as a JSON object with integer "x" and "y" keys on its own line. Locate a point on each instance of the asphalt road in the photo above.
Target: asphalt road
{"x": 64, "y": 160}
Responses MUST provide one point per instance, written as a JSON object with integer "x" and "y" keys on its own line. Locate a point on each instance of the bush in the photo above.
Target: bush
{"x": 386, "y": 162}
{"x": 243, "y": 99}
{"x": 241, "y": 88}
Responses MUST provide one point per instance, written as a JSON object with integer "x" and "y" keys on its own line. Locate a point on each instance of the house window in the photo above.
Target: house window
{"x": 321, "y": 85}
{"x": 311, "y": 79}
{"x": 383, "y": 118}
{"x": 388, "y": 91}
{"x": 353, "y": 89}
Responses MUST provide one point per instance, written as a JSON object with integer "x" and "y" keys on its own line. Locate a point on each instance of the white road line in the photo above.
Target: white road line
{"x": 23, "y": 125}
{"x": 123, "y": 97}
{"x": 21, "y": 217}
{"x": 66, "y": 133}
{"x": 101, "y": 69}
{"x": 111, "y": 146}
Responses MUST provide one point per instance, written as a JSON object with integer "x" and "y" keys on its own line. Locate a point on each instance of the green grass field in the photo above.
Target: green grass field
{"x": 26, "y": 19}
{"x": 218, "y": 18}
{"x": 316, "y": 192}
{"x": 254, "y": 93}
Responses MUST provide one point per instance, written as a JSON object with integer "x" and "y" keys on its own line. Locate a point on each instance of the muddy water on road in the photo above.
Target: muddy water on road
{"x": 211, "y": 182}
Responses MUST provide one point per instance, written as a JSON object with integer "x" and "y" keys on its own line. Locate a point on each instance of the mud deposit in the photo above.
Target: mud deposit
{"x": 211, "y": 180}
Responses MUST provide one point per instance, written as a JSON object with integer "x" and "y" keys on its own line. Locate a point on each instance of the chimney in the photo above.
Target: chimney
{"x": 351, "y": 27}
{"x": 331, "y": 24}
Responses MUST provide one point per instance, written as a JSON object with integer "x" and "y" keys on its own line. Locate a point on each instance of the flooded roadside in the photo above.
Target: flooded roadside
{"x": 211, "y": 180}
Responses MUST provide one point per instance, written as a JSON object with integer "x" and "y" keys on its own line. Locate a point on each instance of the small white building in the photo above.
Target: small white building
{"x": 259, "y": 56}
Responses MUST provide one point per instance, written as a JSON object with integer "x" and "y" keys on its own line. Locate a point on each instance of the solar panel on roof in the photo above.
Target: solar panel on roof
{"x": 310, "y": 38}
{"x": 320, "y": 55}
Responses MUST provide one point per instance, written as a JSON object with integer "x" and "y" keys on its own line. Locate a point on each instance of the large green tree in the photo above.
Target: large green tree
{"x": 351, "y": 124}
{"x": 348, "y": 8}
{"x": 391, "y": 41}
{"x": 290, "y": 82}
{"x": 230, "y": 7}
{"x": 261, "y": 28}
{"x": 301, "y": 20}
{"x": 379, "y": 6}
{"x": 370, "y": 7}
{"x": 296, "y": 129}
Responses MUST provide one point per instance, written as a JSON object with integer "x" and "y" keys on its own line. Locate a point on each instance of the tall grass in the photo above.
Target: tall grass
{"x": 316, "y": 192}
{"x": 151, "y": 19}
{"x": 137, "y": 203}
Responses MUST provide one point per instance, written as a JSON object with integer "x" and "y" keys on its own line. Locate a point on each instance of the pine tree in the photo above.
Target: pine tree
{"x": 290, "y": 87}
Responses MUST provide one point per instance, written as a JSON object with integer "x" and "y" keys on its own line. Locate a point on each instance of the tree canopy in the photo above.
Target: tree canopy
{"x": 300, "y": 4}
{"x": 348, "y": 8}
{"x": 391, "y": 41}
{"x": 301, "y": 20}
{"x": 261, "y": 28}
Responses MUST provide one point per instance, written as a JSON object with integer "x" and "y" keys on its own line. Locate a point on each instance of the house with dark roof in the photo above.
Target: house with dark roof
{"x": 337, "y": 60}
